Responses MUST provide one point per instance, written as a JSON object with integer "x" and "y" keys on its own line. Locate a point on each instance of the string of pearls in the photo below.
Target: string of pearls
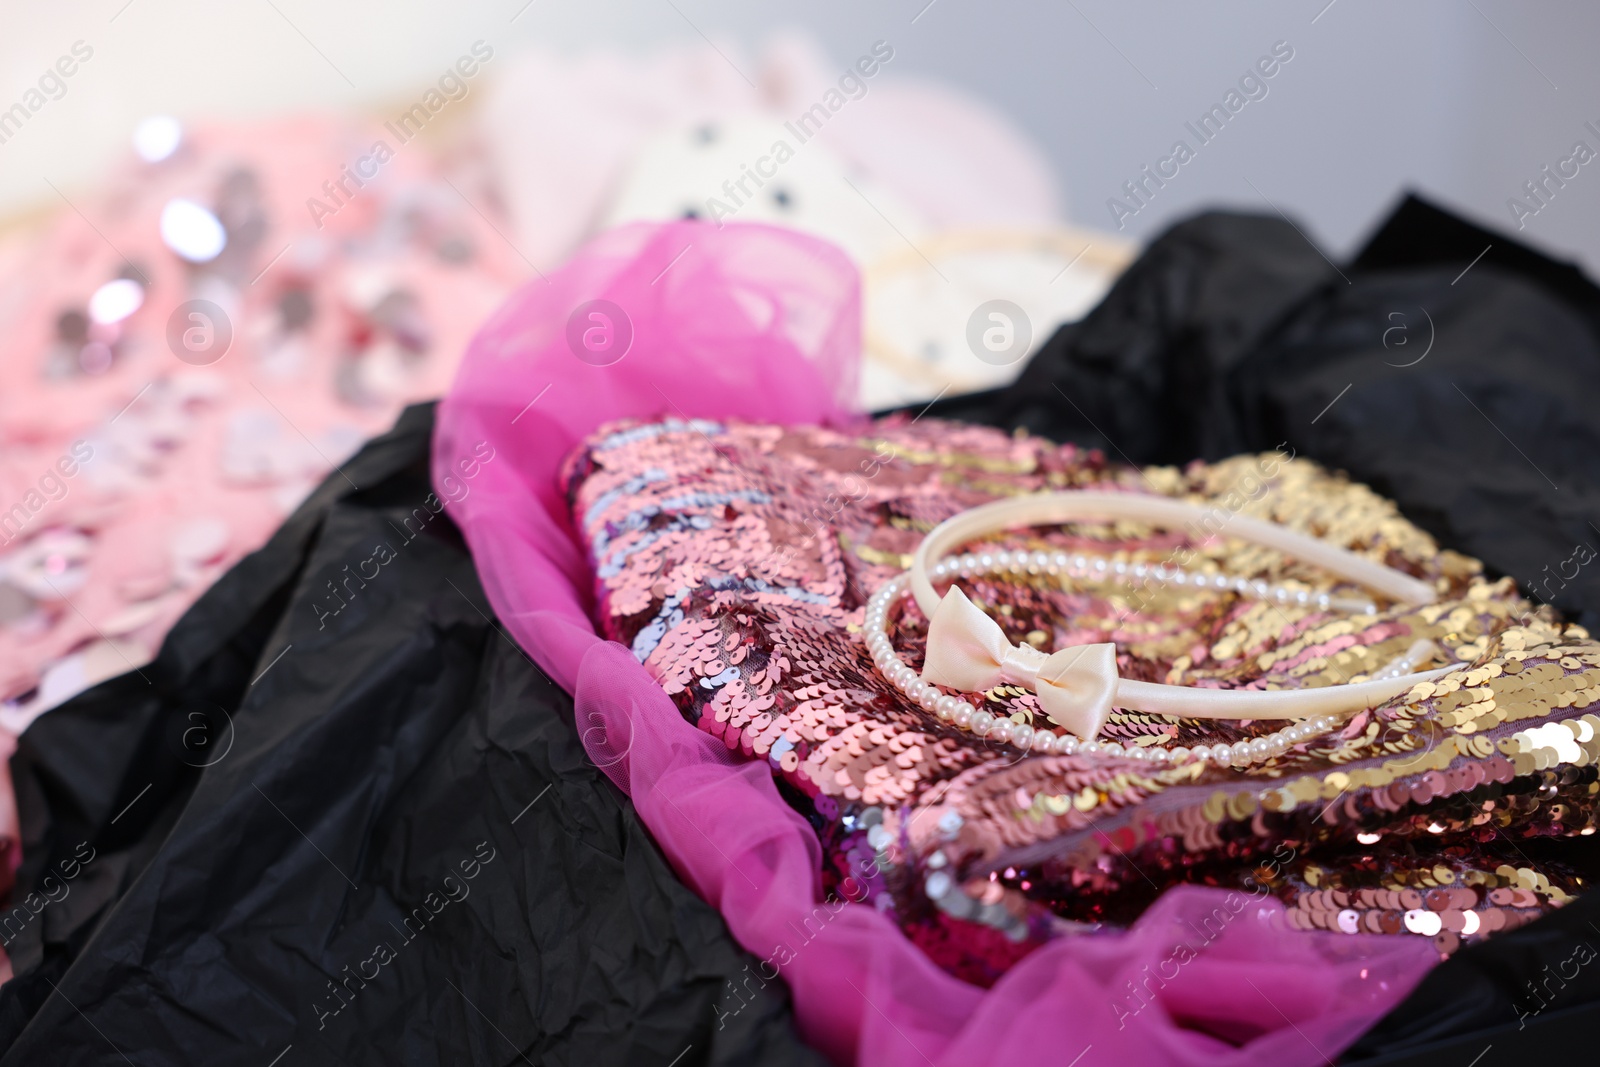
{"x": 961, "y": 714}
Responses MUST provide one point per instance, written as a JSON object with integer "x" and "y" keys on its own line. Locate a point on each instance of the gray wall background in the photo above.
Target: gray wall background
{"x": 1461, "y": 99}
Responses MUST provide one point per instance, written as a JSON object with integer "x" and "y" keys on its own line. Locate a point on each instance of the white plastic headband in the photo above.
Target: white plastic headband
{"x": 1183, "y": 701}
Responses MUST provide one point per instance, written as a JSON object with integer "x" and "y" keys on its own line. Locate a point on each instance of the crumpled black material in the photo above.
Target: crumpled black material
{"x": 1466, "y": 389}
{"x": 1466, "y": 392}
{"x": 353, "y": 824}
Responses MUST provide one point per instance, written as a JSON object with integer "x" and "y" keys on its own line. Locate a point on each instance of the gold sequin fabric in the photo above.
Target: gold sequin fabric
{"x": 735, "y": 561}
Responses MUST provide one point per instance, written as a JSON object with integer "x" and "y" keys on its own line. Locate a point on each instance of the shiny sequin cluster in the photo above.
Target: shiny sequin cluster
{"x": 1447, "y": 896}
{"x": 737, "y": 562}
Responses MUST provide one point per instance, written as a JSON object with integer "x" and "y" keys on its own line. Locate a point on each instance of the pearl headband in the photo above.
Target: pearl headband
{"x": 1078, "y": 686}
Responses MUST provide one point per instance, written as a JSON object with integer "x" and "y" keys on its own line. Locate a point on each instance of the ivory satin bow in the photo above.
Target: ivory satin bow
{"x": 968, "y": 651}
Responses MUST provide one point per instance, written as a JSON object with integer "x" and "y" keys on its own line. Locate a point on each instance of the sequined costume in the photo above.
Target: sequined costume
{"x": 734, "y": 560}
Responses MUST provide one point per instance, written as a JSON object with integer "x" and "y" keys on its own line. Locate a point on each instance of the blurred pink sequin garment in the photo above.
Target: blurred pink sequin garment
{"x": 762, "y": 325}
{"x": 131, "y": 478}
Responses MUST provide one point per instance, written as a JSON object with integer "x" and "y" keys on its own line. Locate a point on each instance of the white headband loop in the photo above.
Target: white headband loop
{"x": 1040, "y": 509}
{"x": 1078, "y": 686}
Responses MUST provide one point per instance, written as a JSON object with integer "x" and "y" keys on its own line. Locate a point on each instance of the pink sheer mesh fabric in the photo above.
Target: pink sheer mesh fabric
{"x": 761, "y": 324}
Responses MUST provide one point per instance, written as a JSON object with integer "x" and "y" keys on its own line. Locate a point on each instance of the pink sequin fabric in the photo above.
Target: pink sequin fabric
{"x": 734, "y": 561}
{"x": 149, "y": 444}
